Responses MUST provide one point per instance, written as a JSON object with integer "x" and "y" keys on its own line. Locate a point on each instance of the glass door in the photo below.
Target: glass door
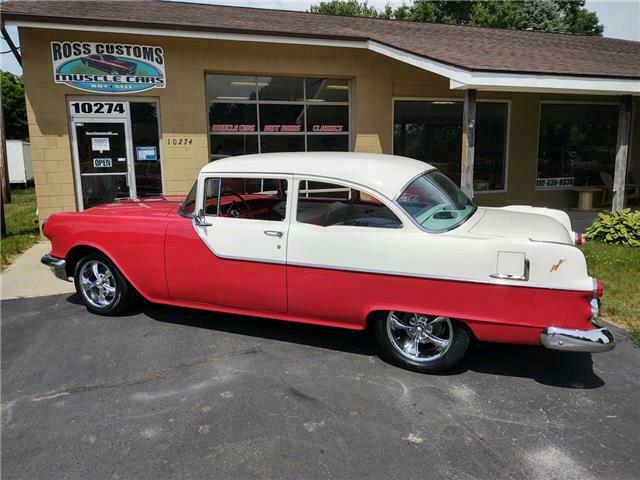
{"x": 102, "y": 150}
{"x": 116, "y": 150}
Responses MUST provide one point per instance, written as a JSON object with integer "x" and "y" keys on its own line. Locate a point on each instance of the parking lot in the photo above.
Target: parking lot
{"x": 176, "y": 393}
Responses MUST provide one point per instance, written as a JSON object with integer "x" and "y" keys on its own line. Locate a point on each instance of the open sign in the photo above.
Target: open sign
{"x": 102, "y": 162}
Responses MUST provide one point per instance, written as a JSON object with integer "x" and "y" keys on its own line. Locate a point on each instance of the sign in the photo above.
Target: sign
{"x": 146, "y": 153}
{"x": 219, "y": 127}
{"x": 100, "y": 144}
{"x": 102, "y": 163}
{"x": 554, "y": 182}
{"x": 108, "y": 67}
{"x": 98, "y": 109}
{"x": 327, "y": 128}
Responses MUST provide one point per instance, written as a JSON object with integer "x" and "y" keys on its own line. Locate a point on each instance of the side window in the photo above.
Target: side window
{"x": 211, "y": 189}
{"x": 253, "y": 198}
{"x": 327, "y": 204}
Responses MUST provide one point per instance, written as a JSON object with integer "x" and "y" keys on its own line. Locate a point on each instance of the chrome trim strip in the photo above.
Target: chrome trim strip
{"x": 58, "y": 265}
{"x": 497, "y": 282}
{"x": 593, "y": 341}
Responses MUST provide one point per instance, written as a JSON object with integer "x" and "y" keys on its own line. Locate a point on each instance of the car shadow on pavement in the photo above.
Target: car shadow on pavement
{"x": 557, "y": 369}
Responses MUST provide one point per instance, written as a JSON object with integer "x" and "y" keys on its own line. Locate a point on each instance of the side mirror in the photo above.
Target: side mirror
{"x": 200, "y": 219}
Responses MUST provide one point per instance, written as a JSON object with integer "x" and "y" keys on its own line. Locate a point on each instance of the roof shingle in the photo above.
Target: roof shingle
{"x": 471, "y": 48}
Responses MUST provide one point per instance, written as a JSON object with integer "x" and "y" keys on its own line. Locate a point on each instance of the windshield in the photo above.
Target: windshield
{"x": 188, "y": 206}
{"x": 435, "y": 202}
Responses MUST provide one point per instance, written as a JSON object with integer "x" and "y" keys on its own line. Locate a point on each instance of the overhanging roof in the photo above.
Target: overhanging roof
{"x": 471, "y": 57}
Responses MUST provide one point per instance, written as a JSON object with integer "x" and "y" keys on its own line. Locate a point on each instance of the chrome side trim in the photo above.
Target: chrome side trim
{"x": 59, "y": 266}
{"x": 594, "y": 341}
{"x": 498, "y": 281}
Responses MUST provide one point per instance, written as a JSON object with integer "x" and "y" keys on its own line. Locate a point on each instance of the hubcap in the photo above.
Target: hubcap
{"x": 419, "y": 337}
{"x": 97, "y": 283}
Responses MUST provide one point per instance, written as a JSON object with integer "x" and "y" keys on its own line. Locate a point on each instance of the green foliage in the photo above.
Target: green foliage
{"x": 619, "y": 269}
{"x": 22, "y": 229}
{"x": 14, "y": 107}
{"x": 616, "y": 228}
{"x": 541, "y": 15}
{"x": 565, "y": 16}
{"x": 349, "y": 8}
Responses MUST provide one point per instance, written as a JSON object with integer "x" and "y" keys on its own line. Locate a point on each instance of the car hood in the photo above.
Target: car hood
{"x": 505, "y": 222}
{"x": 149, "y": 206}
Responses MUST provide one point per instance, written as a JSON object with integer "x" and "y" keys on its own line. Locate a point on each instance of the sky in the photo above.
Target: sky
{"x": 621, "y": 19}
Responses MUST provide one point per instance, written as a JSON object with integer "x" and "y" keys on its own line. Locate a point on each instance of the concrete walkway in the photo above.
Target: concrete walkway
{"x": 27, "y": 277}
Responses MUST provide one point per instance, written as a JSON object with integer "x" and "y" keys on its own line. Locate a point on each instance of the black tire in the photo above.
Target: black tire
{"x": 119, "y": 301}
{"x": 459, "y": 339}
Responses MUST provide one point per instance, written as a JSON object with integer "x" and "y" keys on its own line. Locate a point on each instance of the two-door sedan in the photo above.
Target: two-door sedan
{"x": 347, "y": 240}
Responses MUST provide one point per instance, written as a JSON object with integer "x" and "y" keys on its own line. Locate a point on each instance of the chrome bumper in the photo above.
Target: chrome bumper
{"x": 594, "y": 341}
{"x": 59, "y": 266}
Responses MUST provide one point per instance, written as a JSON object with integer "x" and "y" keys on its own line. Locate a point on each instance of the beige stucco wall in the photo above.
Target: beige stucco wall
{"x": 183, "y": 109}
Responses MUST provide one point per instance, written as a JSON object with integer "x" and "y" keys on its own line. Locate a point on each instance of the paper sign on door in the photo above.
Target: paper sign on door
{"x": 100, "y": 144}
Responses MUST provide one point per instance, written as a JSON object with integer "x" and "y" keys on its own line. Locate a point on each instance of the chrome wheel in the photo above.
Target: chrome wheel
{"x": 417, "y": 337}
{"x": 98, "y": 284}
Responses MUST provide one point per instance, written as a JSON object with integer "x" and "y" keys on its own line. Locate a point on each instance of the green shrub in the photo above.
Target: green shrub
{"x": 616, "y": 228}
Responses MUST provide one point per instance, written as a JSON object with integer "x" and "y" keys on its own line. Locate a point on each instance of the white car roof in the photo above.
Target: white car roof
{"x": 387, "y": 174}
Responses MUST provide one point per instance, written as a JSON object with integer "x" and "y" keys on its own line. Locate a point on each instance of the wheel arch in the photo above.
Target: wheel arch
{"x": 79, "y": 251}
{"x": 380, "y": 312}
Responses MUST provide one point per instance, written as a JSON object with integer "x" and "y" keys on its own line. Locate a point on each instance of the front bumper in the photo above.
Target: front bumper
{"x": 59, "y": 266}
{"x": 595, "y": 340}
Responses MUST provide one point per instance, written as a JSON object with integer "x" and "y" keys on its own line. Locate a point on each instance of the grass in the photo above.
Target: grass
{"x": 619, "y": 269}
{"x": 22, "y": 230}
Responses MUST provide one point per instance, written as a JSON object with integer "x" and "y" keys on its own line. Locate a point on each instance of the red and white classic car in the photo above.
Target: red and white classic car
{"x": 345, "y": 240}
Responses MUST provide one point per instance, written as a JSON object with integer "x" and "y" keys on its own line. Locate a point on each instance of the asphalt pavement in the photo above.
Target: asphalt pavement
{"x": 175, "y": 393}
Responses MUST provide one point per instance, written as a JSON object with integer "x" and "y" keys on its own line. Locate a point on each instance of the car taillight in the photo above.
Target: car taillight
{"x": 599, "y": 289}
{"x": 579, "y": 239}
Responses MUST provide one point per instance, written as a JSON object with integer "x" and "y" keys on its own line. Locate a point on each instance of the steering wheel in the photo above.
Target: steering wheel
{"x": 235, "y": 213}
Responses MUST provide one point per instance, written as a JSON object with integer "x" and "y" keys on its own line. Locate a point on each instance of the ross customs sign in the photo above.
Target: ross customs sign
{"x": 108, "y": 67}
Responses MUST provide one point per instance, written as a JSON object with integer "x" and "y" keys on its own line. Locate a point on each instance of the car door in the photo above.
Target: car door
{"x": 337, "y": 231}
{"x": 244, "y": 227}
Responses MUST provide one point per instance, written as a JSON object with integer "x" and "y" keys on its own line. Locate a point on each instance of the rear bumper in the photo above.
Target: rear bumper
{"x": 59, "y": 266}
{"x": 595, "y": 340}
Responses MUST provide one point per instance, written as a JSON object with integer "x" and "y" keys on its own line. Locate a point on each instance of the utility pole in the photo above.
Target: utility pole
{"x": 4, "y": 172}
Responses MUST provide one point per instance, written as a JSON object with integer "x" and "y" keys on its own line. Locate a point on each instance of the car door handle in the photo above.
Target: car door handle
{"x": 273, "y": 233}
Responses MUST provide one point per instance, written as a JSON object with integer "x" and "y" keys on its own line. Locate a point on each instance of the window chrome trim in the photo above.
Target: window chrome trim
{"x": 422, "y": 227}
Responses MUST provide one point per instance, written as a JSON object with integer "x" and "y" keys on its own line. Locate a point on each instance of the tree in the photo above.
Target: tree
{"x": 541, "y": 15}
{"x": 566, "y": 16}
{"x": 14, "y": 107}
{"x": 348, "y": 8}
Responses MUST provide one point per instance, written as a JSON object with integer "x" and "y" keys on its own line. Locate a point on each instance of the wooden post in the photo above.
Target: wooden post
{"x": 4, "y": 173}
{"x": 622, "y": 154}
{"x": 468, "y": 142}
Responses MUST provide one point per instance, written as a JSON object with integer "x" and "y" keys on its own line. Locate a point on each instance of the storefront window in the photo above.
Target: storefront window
{"x": 146, "y": 147}
{"x": 250, "y": 114}
{"x": 431, "y": 131}
{"x": 576, "y": 143}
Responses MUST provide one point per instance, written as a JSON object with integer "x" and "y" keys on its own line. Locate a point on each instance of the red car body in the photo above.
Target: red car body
{"x": 162, "y": 256}
{"x": 110, "y": 64}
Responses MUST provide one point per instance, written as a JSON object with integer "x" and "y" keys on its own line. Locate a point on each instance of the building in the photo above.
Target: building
{"x": 133, "y": 98}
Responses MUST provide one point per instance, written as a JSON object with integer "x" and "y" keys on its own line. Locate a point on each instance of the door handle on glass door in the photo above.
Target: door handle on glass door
{"x": 273, "y": 233}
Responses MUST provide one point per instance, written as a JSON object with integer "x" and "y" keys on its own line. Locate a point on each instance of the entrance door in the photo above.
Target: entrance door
{"x": 116, "y": 150}
{"x": 103, "y": 160}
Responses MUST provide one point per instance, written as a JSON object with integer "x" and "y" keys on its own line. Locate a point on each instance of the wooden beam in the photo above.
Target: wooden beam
{"x": 622, "y": 154}
{"x": 468, "y": 142}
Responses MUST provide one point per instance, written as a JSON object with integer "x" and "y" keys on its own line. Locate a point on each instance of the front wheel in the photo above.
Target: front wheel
{"x": 426, "y": 344}
{"x": 101, "y": 286}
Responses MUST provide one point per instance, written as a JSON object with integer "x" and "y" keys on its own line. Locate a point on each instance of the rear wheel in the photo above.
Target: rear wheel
{"x": 422, "y": 343}
{"x": 101, "y": 286}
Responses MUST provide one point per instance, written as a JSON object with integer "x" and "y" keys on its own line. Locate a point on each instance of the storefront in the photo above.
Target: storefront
{"x": 132, "y": 102}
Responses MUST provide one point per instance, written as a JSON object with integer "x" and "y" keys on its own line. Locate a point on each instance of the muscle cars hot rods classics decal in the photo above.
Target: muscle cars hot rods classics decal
{"x": 108, "y": 67}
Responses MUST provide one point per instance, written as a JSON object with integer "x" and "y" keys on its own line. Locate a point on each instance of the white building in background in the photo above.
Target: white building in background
{"x": 19, "y": 162}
